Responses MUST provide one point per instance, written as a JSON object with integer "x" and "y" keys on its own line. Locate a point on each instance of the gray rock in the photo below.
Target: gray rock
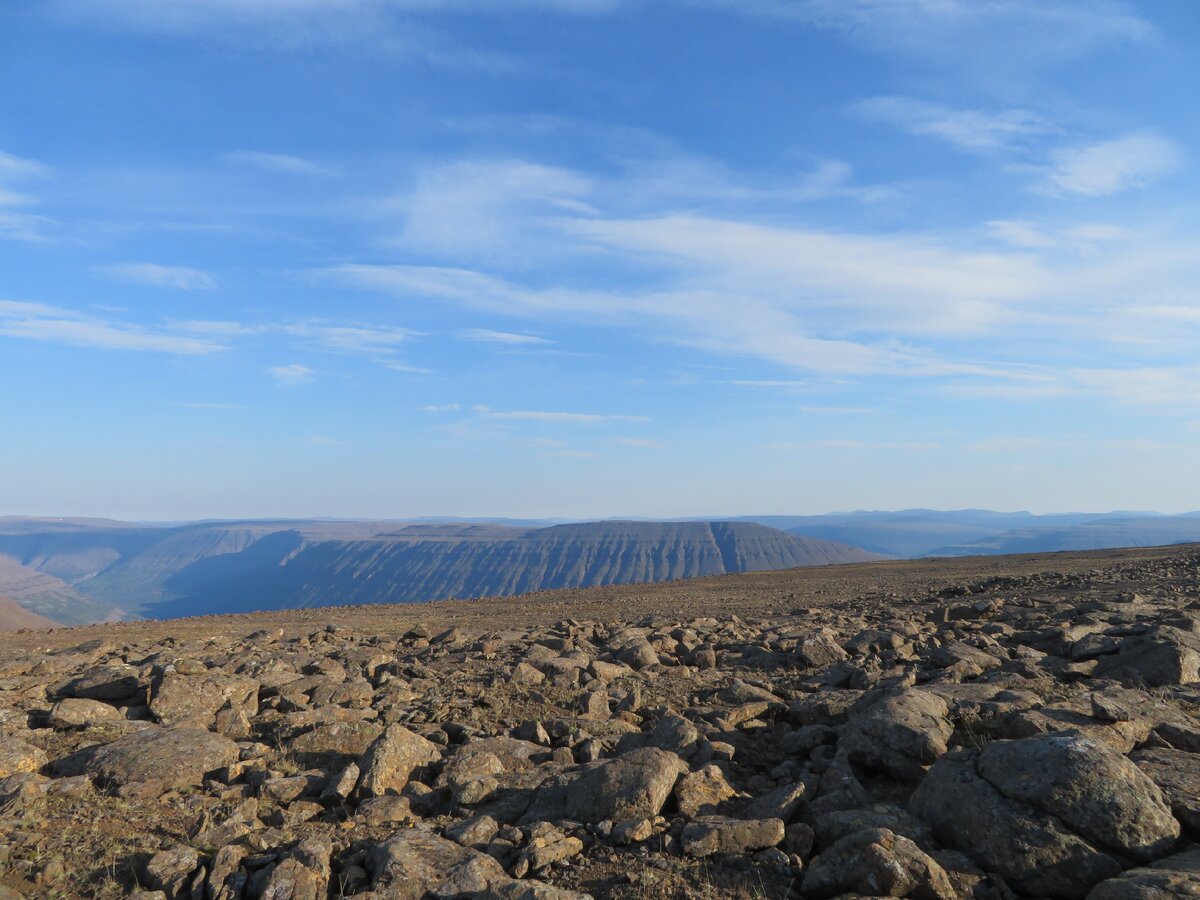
{"x": 167, "y": 757}
{"x": 720, "y": 834}
{"x": 901, "y": 734}
{"x": 1092, "y": 789}
{"x": 1031, "y": 849}
{"x": 1177, "y": 775}
{"x": 390, "y": 760}
{"x": 877, "y": 863}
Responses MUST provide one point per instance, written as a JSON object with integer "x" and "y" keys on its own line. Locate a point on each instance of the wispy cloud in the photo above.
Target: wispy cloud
{"x": 1107, "y": 167}
{"x": 283, "y": 163}
{"x": 837, "y": 410}
{"x": 155, "y": 275}
{"x": 16, "y": 223}
{"x": 640, "y": 443}
{"x": 967, "y": 129}
{"x": 34, "y": 321}
{"x": 487, "y": 336}
{"x": 573, "y": 418}
{"x": 291, "y": 375}
{"x": 851, "y": 444}
{"x": 217, "y": 407}
{"x": 441, "y": 407}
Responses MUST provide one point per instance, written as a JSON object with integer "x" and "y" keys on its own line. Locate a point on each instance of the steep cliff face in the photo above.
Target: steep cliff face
{"x": 288, "y": 570}
{"x": 74, "y": 572}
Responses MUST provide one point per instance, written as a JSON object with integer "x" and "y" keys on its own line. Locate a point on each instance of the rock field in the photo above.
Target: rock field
{"x": 1009, "y": 727}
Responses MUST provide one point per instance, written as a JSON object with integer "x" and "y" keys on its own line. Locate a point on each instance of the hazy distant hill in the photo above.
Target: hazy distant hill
{"x": 924, "y": 532}
{"x": 1098, "y": 535}
{"x": 224, "y": 567}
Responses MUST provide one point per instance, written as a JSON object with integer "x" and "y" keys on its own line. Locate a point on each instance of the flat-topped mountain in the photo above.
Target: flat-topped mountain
{"x": 76, "y": 572}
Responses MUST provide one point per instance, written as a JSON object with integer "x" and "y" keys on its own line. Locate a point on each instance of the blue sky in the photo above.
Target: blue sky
{"x": 597, "y": 257}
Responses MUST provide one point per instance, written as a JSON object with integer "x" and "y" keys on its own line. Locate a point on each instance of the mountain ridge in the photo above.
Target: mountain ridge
{"x": 282, "y": 564}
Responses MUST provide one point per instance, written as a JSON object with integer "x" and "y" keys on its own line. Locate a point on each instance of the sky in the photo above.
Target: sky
{"x": 593, "y": 258}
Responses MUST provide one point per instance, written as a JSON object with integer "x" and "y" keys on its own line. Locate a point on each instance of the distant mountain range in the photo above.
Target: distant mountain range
{"x": 914, "y": 533}
{"x": 76, "y": 571}
{"x": 85, "y": 570}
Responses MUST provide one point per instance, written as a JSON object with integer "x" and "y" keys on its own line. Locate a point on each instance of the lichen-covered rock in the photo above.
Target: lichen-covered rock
{"x": 1092, "y": 789}
{"x": 901, "y": 734}
{"x": 720, "y": 834}
{"x": 1177, "y": 775}
{"x": 634, "y": 785}
{"x": 391, "y": 759}
{"x": 17, "y": 756}
{"x": 165, "y": 757}
{"x": 877, "y": 863}
{"x": 1165, "y": 656}
{"x": 1031, "y": 849}
{"x": 1175, "y": 876}
{"x": 193, "y": 700}
{"x": 413, "y": 864}
{"x": 702, "y": 792}
{"x": 76, "y": 712}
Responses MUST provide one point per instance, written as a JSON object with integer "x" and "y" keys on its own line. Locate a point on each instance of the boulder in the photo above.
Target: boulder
{"x": 304, "y": 874}
{"x": 1164, "y": 656}
{"x": 112, "y": 683}
{"x": 900, "y": 734}
{"x": 78, "y": 712}
{"x": 389, "y": 762}
{"x": 16, "y": 757}
{"x": 702, "y": 792}
{"x": 1175, "y": 876}
{"x": 193, "y": 700}
{"x": 877, "y": 863}
{"x": 1031, "y": 849}
{"x": 1092, "y": 789}
{"x": 634, "y": 785}
{"x": 720, "y": 834}
{"x": 170, "y": 871}
{"x": 413, "y": 864}
{"x": 1177, "y": 775}
{"x": 165, "y": 757}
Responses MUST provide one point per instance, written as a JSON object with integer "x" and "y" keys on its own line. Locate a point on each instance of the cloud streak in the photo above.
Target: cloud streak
{"x": 37, "y": 322}
{"x": 154, "y": 275}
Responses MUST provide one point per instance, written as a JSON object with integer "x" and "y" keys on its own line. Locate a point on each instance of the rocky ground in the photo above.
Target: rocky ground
{"x": 986, "y": 728}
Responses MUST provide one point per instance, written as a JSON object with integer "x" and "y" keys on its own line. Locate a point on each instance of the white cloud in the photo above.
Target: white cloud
{"x": 850, "y": 444}
{"x": 15, "y": 223}
{"x": 283, "y": 163}
{"x": 358, "y": 339}
{"x": 34, "y": 321}
{"x": 992, "y": 35}
{"x": 485, "y": 210}
{"x": 837, "y": 410}
{"x": 553, "y": 417}
{"x": 154, "y": 275}
{"x": 1107, "y": 167}
{"x": 291, "y": 375}
{"x": 967, "y": 129}
{"x": 487, "y": 336}
{"x": 444, "y": 407}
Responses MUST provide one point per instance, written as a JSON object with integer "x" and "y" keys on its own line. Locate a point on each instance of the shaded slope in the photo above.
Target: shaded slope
{"x": 46, "y": 595}
{"x": 14, "y": 616}
{"x": 286, "y": 570}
